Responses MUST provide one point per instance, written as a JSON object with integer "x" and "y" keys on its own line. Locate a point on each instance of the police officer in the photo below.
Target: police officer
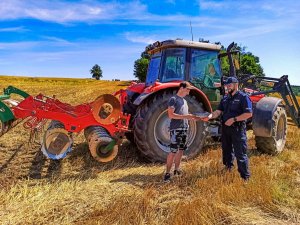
{"x": 235, "y": 108}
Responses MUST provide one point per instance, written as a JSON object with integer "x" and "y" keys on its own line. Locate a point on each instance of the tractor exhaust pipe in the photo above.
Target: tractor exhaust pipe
{"x": 102, "y": 146}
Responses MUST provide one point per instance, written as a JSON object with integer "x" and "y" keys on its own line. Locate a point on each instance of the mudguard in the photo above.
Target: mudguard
{"x": 5, "y": 113}
{"x": 159, "y": 87}
{"x": 262, "y": 116}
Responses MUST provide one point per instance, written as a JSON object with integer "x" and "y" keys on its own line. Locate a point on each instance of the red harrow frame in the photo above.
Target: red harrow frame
{"x": 102, "y": 120}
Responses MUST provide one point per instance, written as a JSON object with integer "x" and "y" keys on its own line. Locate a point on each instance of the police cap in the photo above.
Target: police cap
{"x": 230, "y": 80}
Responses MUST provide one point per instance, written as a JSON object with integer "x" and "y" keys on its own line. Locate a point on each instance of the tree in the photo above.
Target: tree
{"x": 249, "y": 63}
{"x": 141, "y": 66}
{"x": 96, "y": 72}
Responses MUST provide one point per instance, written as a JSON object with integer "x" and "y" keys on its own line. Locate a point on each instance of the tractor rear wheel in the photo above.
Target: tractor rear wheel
{"x": 274, "y": 144}
{"x": 151, "y": 128}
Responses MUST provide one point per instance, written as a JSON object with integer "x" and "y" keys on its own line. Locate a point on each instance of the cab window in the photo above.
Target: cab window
{"x": 173, "y": 64}
{"x": 205, "y": 67}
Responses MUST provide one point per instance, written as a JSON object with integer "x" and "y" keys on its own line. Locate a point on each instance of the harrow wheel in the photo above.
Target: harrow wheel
{"x": 102, "y": 147}
{"x": 56, "y": 142}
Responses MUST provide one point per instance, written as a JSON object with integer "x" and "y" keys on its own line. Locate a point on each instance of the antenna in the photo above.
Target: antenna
{"x": 192, "y": 30}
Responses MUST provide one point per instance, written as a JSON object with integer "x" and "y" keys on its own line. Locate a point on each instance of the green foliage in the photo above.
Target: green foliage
{"x": 96, "y": 72}
{"x": 225, "y": 66}
{"x": 296, "y": 90}
{"x": 140, "y": 68}
{"x": 249, "y": 63}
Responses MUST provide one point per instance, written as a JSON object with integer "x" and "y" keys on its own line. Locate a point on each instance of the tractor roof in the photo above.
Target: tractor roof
{"x": 157, "y": 46}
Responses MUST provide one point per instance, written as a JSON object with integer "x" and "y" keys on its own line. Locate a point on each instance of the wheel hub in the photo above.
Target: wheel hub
{"x": 162, "y": 131}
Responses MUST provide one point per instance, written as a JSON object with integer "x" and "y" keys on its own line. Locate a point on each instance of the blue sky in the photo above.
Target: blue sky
{"x": 66, "y": 38}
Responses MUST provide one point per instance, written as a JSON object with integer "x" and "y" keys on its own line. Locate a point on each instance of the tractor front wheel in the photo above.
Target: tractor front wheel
{"x": 274, "y": 144}
{"x": 151, "y": 128}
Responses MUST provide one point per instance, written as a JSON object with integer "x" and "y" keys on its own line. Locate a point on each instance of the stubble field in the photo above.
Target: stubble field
{"x": 79, "y": 190}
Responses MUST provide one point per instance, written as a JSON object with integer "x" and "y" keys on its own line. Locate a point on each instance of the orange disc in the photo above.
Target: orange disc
{"x": 106, "y": 109}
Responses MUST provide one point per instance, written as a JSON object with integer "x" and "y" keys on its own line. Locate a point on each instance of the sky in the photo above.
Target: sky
{"x": 65, "y": 38}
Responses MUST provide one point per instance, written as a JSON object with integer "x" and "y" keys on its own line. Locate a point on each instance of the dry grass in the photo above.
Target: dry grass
{"x": 79, "y": 190}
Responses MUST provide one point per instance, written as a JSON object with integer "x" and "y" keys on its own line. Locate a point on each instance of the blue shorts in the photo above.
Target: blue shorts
{"x": 178, "y": 139}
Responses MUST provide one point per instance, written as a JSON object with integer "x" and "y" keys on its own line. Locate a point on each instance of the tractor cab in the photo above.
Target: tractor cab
{"x": 179, "y": 60}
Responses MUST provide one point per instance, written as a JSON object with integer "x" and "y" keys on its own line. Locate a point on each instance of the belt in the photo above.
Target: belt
{"x": 236, "y": 124}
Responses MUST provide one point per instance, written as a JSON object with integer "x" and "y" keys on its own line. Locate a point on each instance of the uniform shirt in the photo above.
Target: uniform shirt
{"x": 233, "y": 106}
{"x": 180, "y": 107}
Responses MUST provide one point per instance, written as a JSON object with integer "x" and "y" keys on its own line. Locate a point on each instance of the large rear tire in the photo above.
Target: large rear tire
{"x": 151, "y": 128}
{"x": 274, "y": 144}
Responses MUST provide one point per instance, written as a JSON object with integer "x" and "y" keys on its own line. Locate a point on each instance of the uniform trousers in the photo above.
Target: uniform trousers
{"x": 234, "y": 145}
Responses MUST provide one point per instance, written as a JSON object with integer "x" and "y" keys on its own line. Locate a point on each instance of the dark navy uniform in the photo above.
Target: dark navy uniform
{"x": 234, "y": 139}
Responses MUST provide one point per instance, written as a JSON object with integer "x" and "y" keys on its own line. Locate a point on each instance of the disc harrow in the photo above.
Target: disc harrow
{"x": 102, "y": 120}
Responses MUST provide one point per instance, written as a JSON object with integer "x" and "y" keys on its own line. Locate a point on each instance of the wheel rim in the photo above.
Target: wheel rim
{"x": 162, "y": 132}
{"x": 103, "y": 154}
{"x": 280, "y": 134}
{"x": 102, "y": 151}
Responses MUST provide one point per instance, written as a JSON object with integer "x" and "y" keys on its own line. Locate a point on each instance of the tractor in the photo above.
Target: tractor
{"x": 140, "y": 111}
{"x": 174, "y": 61}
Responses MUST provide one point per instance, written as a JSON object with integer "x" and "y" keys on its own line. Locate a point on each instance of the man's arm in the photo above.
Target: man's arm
{"x": 173, "y": 115}
{"x": 213, "y": 115}
{"x": 241, "y": 117}
{"x": 247, "y": 108}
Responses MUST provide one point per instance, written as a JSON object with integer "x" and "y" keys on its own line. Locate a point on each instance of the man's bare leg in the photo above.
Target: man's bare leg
{"x": 177, "y": 159}
{"x": 170, "y": 160}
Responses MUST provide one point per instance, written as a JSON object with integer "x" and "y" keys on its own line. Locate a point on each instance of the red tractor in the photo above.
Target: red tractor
{"x": 174, "y": 61}
{"x": 142, "y": 107}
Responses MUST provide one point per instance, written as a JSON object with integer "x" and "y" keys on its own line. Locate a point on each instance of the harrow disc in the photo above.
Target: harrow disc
{"x": 106, "y": 109}
{"x": 56, "y": 142}
{"x": 102, "y": 147}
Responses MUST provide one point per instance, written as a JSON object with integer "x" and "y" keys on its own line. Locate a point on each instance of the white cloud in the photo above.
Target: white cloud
{"x": 13, "y": 29}
{"x": 136, "y": 38}
{"x": 65, "y": 11}
{"x": 212, "y": 5}
{"x": 18, "y": 45}
{"x": 58, "y": 41}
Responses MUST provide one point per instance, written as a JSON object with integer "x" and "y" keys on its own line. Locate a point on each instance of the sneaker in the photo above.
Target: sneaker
{"x": 177, "y": 172}
{"x": 167, "y": 177}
